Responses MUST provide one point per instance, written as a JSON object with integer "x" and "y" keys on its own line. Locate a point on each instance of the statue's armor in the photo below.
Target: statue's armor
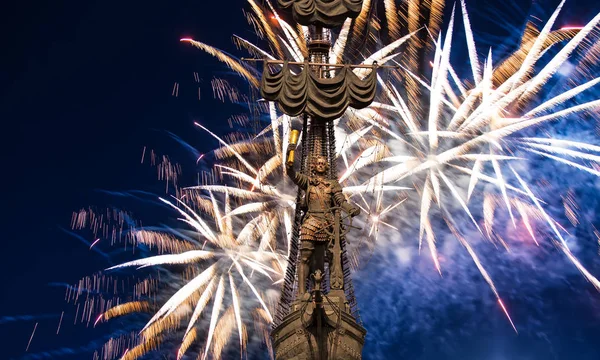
{"x": 319, "y": 217}
{"x": 321, "y": 195}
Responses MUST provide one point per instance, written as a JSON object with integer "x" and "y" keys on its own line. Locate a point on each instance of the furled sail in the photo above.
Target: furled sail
{"x": 326, "y": 13}
{"x": 320, "y": 98}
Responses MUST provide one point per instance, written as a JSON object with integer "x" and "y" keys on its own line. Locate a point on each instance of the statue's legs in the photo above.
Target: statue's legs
{"x": 313, "y": 244}
{"x": 319, "y": 257}
{"x": 306, "y": 252}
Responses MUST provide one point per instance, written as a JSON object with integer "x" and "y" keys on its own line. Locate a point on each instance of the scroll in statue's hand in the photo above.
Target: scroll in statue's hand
{"x": 289, "y": 156}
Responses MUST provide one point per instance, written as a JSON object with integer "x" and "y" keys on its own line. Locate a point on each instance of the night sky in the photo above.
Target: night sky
{"x": 85, "y": 85}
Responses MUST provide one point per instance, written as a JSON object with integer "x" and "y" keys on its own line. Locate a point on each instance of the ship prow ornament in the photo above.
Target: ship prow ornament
{"x": 317, "y": 316}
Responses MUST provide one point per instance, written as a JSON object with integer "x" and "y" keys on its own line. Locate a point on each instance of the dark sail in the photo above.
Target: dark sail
{"x": 326, "y": 13}
{"x": 320, "y": 98}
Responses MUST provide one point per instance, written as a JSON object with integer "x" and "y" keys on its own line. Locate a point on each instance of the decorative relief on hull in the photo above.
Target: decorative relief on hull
{"x": 295, "y": 339}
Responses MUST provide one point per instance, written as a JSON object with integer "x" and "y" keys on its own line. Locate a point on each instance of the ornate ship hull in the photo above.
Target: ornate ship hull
{"x": 318, "y": 334}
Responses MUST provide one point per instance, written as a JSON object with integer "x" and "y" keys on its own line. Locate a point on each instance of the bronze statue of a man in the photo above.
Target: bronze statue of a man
{"x": 321, "y": 196}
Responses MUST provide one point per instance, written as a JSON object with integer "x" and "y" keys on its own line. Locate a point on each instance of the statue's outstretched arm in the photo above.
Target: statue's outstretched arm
{"x": 299, "y": 179}
{"x": 341, "y": 201}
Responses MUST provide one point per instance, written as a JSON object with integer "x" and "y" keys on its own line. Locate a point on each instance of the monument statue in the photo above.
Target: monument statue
{"x": 317, "y": 316}
{"x": 322, "y": 197}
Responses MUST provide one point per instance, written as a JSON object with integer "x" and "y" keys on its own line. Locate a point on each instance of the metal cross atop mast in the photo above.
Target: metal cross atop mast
{"x": 317, "y": 316}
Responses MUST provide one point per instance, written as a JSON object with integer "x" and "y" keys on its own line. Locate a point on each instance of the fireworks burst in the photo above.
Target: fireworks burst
{"x": 475, "y": 131}
{"x": 224, "y": 262}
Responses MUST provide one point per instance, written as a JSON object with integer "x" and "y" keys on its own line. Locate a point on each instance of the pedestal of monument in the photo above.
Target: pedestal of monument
{"x": 319, "y": 332}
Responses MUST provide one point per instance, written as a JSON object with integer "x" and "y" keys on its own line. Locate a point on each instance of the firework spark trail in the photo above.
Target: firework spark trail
{"x": 507, "y": 315}
{"x": 31, "y": 338}
{"x": 94, "y": 243}
{"x": 482, "y": 270}
{"x": 215, "y": 313}
{"x": 60, "y": 322}
{"x": 471, "y": 44}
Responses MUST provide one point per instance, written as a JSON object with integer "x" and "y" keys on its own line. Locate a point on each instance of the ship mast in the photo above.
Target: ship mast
{"x": 322, "y": 323}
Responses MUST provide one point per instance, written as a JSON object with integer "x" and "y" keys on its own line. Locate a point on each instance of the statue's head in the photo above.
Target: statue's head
{"x": 320, "y": 165}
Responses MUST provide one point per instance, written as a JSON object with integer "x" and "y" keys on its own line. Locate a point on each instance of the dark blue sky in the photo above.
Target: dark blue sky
{"x": 82, "y": 85}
